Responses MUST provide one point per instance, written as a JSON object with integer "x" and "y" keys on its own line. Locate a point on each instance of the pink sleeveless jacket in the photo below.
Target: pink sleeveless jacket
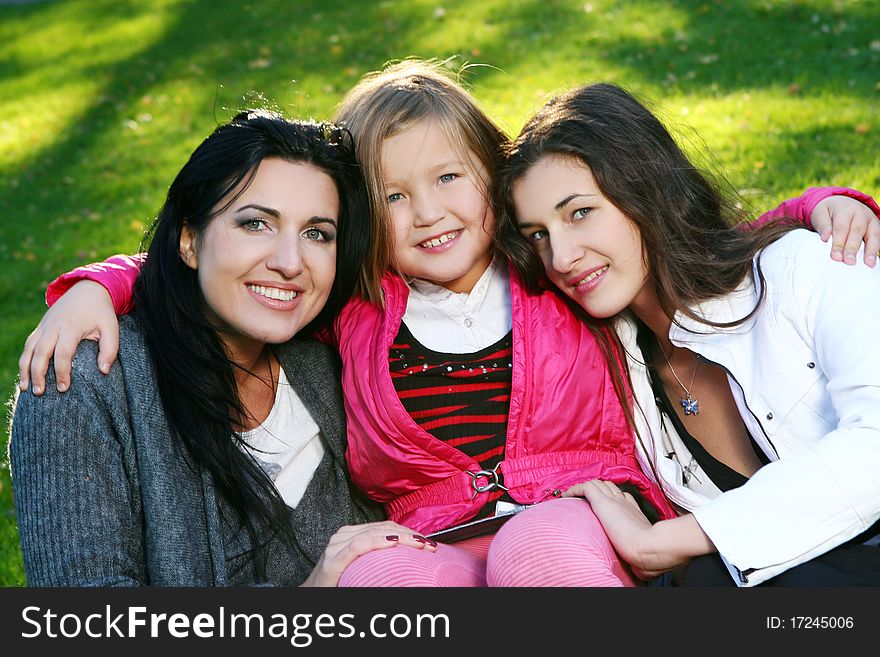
{"x": 565, "y": 423}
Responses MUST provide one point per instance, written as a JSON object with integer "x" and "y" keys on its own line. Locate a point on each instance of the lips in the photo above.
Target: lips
{"x": 439, "y": 240}
{"x": 587, "y": 280}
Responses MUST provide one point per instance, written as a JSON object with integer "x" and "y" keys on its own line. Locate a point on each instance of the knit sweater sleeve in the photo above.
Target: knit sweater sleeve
{"x": 75, "y": 493}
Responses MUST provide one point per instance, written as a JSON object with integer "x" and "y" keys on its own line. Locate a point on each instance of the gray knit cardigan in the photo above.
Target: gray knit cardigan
{"x": 105, "y": 496}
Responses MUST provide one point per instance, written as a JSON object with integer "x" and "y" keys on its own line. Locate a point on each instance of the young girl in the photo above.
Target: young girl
{"x": 463, "y": 390}
{"x": 752, "y": 356}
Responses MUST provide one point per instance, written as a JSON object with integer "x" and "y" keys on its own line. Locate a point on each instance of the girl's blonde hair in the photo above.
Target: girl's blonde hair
{"x": 386, "y": 102}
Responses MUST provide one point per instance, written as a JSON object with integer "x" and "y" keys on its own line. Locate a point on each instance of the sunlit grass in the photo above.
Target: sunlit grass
{"x": 101, "y": 101}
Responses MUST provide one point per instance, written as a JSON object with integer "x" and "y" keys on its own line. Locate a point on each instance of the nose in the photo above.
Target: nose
{"x": 564, "y": 254}
{"x": 286, "y": 257}
{"x": 427, "y": 209}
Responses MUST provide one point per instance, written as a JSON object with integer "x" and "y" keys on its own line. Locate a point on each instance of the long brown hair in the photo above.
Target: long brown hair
{"x": 693, "y": 246}
{"x": 386, "y": 102}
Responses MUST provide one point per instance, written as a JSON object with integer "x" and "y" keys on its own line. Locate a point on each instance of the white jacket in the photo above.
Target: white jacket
{"x": 805, "y": 373}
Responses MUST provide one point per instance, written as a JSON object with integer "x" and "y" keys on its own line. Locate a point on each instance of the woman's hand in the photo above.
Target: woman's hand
{"x": 649, "y": 549}
{"x": 351, "y": 541}
{"x": 85, "y": 312}
{"x": 848, "y": 223}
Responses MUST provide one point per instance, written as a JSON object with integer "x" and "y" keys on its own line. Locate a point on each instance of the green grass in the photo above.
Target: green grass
{"x": 101, "y": 102}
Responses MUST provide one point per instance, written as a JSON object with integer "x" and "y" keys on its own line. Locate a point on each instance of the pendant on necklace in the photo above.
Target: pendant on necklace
{"x": 691, "y": 406}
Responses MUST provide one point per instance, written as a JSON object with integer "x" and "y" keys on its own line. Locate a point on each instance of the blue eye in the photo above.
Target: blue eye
{"x": 448, "y": 177}
{"x": 393, "y": 198}
{"x": 581, "y": 213}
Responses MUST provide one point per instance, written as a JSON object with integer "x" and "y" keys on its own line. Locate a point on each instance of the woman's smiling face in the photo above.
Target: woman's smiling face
{"x": 590, "y": 249}
{"x": 267, "y": 262}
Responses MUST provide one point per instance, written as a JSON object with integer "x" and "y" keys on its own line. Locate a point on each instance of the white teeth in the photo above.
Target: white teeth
{"x": 595, "y": 274}
{"x": 273, "y": 292}
{"x": 437, "y": 241}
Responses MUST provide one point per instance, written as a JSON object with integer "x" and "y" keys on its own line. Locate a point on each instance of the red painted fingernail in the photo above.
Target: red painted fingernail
{"x": 431, "y": 542}
{"x": 420, "y": 539}
{"x": 392, "y": 537}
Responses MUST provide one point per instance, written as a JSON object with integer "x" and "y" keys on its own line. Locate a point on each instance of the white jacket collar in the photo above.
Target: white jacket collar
{"x": 730, "y": 307}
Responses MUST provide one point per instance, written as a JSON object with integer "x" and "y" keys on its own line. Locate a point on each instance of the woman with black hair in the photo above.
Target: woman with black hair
{"x": 162, "y": 472}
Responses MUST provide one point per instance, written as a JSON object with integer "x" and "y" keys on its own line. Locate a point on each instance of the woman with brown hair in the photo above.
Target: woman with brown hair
{"x": 751, "y": 354}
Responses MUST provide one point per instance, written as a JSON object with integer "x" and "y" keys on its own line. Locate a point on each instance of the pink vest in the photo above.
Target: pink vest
{"x": 565, "y": 423}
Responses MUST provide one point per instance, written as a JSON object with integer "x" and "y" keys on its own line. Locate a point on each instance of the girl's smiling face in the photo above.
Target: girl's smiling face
{"x": 590, "y": 249}
{"x": 438, "y": 203}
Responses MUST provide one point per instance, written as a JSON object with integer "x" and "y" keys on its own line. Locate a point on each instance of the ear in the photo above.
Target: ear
{"x": 187, "y": 247}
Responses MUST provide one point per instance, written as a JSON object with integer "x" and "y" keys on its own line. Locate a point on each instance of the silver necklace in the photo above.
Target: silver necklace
{"x": 691, "y": 404}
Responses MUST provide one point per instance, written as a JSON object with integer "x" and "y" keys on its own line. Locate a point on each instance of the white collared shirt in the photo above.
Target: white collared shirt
{"x": 465, "y": 322}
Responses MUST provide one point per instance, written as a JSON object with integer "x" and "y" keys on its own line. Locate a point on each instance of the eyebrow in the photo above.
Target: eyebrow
{"x": 261, "y": 208}
{"x": 457, "y": 162}
{"x": 275, "y": 213}
{"x": 568, "y": 199}
{"x": 322, "y": 220}
{"x": 454, "y": 163}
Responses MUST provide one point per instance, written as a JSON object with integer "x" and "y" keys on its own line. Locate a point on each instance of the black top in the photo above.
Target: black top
{"x": 462, "y": 399}
{"x": 723, "y": 476}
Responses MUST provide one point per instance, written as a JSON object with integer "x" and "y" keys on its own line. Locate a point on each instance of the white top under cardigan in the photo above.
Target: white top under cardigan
{"x": 287, "y": 444}
{"x": 805, "y": 374}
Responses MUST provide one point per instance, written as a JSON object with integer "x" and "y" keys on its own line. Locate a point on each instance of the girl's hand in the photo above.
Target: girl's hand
{"x": 85, "y": 312}
{"x": 848, "y": 223}
{"x": 351, "y": 541}
{"x": 649, "y": 549}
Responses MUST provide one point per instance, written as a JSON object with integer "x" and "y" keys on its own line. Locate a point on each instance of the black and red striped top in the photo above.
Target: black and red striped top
{"x": 461, "y": 399}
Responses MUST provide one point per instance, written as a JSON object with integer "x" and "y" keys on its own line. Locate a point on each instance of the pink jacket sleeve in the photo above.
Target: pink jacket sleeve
{"x": 117, "y": 273}
{"x": 801, "y": 207}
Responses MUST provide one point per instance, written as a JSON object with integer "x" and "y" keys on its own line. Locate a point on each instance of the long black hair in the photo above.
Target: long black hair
{"x": 194, "y": 374}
